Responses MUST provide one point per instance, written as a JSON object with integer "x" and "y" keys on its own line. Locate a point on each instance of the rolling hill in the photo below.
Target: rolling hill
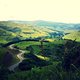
{"x": 13, "y": 30}
{"x": 32, "y": 60}
{"x": 73, "y": 35}
{"x": 52, "y": 25}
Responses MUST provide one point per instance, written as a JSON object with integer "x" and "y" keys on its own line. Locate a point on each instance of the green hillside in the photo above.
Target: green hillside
{"x": 73, "y": 35}
{"x": 39, "y": 50}
{"x": 6, "y": 36}
{"x": 24, "y": 30}
{"x": 13, "y": 31}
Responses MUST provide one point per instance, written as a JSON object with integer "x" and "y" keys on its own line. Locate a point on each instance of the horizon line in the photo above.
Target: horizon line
{"x": 42, "y": 20}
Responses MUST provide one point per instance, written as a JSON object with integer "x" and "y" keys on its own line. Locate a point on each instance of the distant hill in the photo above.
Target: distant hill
{"x": 10, "y": 30}
{"x": 13, "y": 30}
{"x": 53, "y": 25}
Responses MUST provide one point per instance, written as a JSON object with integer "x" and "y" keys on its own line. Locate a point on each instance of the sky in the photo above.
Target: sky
{"x": 67, "y": 11}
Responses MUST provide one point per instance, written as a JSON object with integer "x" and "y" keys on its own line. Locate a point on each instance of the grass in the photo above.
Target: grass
{"x": 34, "y": 30}
{"x": 2, "y": 40}
{"x": 74, "y": 35}
{"x": 42, "y": 57}
{"x": 50, "y": 40}
{"x": 23, "y": 45}
{"x": 6, "y": 36}
{"x": 50, "y": 72}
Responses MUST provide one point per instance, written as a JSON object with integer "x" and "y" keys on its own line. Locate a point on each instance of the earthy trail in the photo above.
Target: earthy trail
{"x": 19, "y": 56}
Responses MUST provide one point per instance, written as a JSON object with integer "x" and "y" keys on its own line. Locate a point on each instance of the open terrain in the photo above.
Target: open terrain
{"x": 32, "y": 50}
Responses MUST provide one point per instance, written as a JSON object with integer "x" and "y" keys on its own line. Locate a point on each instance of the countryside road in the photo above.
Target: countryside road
{"x": 21, "y": 52}
{"x": 19, "y": 56}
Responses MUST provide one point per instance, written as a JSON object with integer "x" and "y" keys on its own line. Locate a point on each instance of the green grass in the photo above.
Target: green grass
{"x": 36, "y": 49}
{"x": 24, "y": 29}
{"x": 50, "y": 72}
{"x": 6, "y": 36}
{"x": 36, "y": 45}
{"x": 2, "y": 40}
{"x": 73, "y": 35}
{"x": 23, "y": 45}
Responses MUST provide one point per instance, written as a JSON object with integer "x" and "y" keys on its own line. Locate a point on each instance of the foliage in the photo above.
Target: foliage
{"x": 73, "y": 35}
{"x": 46, "y": 73}
{"x": 32, "y": 61}
{"x": 71, "y": 55}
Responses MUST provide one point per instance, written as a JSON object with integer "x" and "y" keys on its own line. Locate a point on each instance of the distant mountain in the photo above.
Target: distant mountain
{"x": 52, "y": 25}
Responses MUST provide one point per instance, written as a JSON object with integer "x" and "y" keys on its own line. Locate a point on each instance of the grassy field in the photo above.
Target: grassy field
{"x": 73, "y": 35}
{"x": 23, "y": 45}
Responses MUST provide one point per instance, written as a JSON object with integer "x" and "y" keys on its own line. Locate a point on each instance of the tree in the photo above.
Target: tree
{"x": 41, "y": 45}
{"x": 71, "y": 55}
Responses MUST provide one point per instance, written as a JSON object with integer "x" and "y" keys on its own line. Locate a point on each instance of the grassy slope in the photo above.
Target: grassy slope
{"x": 25, "y": 44}
{"x": 6, "y": 36}
{"x": 26, "y": 30}
{"x": 46, "y": 73}
{"x": 35, "y": 46}
{"x": 73, "y": 35}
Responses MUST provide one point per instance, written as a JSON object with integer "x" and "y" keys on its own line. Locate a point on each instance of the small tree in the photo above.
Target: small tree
{"x": 41, "y": 45}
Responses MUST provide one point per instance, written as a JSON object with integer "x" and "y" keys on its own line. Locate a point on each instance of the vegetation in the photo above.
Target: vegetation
{"x": 57, "y": 59}
{"x": 58, "y": 70}
{"x": 46, "y": 73}
{"x": 73, "y": 35}
{"x": 2, "y": 53}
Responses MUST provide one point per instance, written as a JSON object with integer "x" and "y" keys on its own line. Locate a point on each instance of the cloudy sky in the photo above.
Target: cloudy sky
{"x": 50, "y": 10}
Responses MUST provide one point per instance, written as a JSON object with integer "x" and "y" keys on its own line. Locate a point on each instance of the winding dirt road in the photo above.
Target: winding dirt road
{"x": 19, "y": 56}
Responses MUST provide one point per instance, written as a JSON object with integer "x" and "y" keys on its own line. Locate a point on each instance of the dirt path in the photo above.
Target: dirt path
{"x": 19, "y": 56}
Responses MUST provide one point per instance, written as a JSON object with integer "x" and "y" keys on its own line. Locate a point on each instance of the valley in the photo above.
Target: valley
{"x": 39, "y": 50}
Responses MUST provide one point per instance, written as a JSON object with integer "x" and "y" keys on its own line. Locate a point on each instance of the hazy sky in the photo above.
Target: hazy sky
{"x": 51, "y": 10}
